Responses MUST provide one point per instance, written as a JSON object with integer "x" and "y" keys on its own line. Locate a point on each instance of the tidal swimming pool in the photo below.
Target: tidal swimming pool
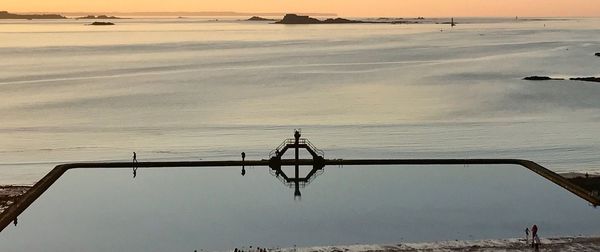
{"x": 187, "y": 209}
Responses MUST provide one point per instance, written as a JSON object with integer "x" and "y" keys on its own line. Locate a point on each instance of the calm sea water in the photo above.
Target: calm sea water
{"x": 195, "y": 89}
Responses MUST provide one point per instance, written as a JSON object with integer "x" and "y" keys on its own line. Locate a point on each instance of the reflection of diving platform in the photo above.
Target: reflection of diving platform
{"x": 275, "y": 164}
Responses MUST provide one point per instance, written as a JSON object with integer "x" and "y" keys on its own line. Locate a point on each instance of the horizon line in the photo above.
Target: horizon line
{"x": 177, "y": 13}
{"x": 237, "y": 14}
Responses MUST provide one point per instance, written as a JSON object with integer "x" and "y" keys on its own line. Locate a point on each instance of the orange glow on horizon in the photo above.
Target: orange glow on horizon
{"x": 428, "y": 8}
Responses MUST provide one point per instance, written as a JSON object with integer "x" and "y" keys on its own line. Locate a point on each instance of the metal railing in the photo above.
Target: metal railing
{"x": 292, "y": 141}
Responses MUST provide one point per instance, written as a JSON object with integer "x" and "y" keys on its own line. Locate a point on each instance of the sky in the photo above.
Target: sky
{"x": 354, "y": 8}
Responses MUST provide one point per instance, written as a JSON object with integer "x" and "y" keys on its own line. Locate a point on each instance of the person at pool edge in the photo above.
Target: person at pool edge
{"x": 243, "y": 159}
{"x": 535, "y": 240}
{"x": 134, "y": 162}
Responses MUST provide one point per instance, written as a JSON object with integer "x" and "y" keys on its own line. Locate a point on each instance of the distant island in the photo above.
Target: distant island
{"x": 541, "y": 78}
{"x": 98, "y": 17}
{"x": 257, "y": 18}
{"x": 102, "y": 23}
{"x": 547, "y": 78}
{"x": 297, "y": 19}
{"x": 590, "y": 79}
{"x": 7, "y": 15}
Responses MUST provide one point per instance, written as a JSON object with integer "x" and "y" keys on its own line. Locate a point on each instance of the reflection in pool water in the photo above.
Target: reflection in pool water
{"x": 217, "y": 209}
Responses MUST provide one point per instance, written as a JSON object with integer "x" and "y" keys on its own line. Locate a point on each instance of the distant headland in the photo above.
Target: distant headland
{"x": 7, "y": 15}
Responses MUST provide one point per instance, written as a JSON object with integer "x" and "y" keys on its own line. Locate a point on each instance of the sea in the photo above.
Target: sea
{"x": 211, "y": 88}
{"x": 188, "y": 89}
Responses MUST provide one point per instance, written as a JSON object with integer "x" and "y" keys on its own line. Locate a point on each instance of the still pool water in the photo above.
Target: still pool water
{"x": 187, "y": 209}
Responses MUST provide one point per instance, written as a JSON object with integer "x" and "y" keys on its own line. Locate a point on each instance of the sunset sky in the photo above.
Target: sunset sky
{"x": 341, "y": 7}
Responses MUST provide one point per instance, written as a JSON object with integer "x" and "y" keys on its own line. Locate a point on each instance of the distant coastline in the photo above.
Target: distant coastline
{"x": 188, "y": 14}
{"x": 7, "y": 15}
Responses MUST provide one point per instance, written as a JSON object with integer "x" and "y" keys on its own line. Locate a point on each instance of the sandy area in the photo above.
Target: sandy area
{"x": 548, "y": 244}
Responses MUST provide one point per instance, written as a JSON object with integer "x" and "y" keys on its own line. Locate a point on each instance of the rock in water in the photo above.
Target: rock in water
{"x": 102, "y": 23}
{"x": 295, "y": 19}
{"x": 538, "y": 78}
{"x": 592, "y": 79}
{"x": 257, "y": 18}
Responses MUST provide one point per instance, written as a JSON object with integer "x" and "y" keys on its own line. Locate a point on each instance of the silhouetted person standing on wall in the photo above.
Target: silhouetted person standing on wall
{"x": 526, "y": 235}
{"x": 243, "y": 166}
{"x": 135, "y": 164}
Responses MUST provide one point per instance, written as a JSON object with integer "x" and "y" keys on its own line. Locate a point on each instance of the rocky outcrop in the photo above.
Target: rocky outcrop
{"x": 257, "y": 18}
{"x": 295, "y": 19}
{"x": 340, "y": 21}
{"x": 592, "y": 79}
{"x": 7, "y": 15}
{"x": 405, "y": 22}
{"x": 545, "y": 78}
{"x": 102, "y": 23}
{"x": 540, "y": 78}
{"x": 99, "y": 17}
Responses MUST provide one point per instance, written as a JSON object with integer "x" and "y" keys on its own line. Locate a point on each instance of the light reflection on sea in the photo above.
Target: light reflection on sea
{"x": 194, "y": 89}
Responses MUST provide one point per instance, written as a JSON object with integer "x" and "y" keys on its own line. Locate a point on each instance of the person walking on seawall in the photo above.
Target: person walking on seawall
{"x": 526, "y": 235}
